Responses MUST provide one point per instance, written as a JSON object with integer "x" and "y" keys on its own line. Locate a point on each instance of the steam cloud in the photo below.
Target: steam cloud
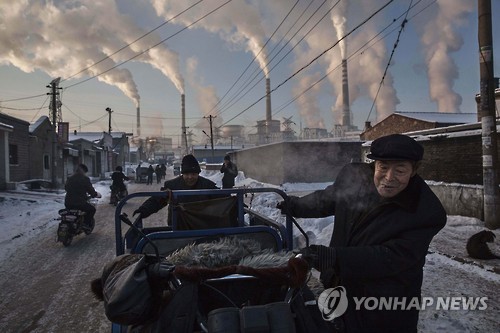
{"x": 238, "y": 23}
{"x": 440, "y": 38}
{"x": 206, "y": 97}
{"x": 61, "y": 38}
{"x": 308, "y": 103}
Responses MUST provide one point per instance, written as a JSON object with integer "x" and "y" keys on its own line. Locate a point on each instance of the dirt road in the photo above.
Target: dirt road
{"x": 45, "y": 286}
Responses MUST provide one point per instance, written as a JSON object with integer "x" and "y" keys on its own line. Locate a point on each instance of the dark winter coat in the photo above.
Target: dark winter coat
{"x": 380, "y": 244}
{"x": 230, "y": 172}
{"x": 118, "y": 177}
{"x": 77, "y": 186}
{"x": 154, "y": 204}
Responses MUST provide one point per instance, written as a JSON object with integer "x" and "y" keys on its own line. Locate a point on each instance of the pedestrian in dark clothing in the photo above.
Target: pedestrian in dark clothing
{"x": 163, "y": 168}
{"x": 158, "y": 174}
{"x": 188, "y": 180}
{"x": 385, "y": 218}
{"x": 118, "y": 185}
{"x": 230, "y": 172}
{"x": 138, "y": 173}
{"x": 151, "y": 171}
{"x": 78, "y": 187}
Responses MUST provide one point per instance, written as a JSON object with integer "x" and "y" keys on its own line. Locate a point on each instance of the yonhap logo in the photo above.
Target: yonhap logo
{"x": 332, "y": 303}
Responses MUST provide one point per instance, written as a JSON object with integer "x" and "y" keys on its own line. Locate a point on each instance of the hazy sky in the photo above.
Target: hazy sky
{"x": 226, "y": 49}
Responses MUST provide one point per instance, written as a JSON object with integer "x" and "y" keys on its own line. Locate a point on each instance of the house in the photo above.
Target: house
{"x": 402, "y": 122}
{"x": 16, "y": 139}
{"x": 5, "y": 129}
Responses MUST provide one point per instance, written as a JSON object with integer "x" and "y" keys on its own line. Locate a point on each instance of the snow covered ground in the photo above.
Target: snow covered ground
{"x": 448, "y": 272}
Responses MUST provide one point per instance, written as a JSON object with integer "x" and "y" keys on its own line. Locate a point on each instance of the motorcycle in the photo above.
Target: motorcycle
{"x": 72, "y": 224}
{"x": 117, "y": 195}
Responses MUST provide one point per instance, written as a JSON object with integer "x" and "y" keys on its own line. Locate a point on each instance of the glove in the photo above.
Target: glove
{"x": 161, "y": 270}
{"x": 282, "y": 205}
{"x": 141, "y": 210}
{"x": 319, "y": 257}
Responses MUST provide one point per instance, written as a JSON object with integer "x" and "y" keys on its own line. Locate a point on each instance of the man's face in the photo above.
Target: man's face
{"x": 190, "y": 178}
{"x": 392, "y": 177}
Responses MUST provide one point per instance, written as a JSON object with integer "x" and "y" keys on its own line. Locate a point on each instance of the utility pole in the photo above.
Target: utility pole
{"x": 109, "y": 122}
{"x": 108, "y": 153}
{"x": 54, "y": 86}
{"x": 210, "y": 117}
{"x": 487, "y": 115}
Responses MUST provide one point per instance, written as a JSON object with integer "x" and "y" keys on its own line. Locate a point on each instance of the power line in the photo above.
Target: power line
{"x": 155, "y": 45}
{"x": 283, "y": 57}
{"x": 255, "y": 57}
{"x": 21, "y": 98}
{"x": 313, "y": 60}
{"x": 403, "y": 24}
{"x": 136, "y": 40}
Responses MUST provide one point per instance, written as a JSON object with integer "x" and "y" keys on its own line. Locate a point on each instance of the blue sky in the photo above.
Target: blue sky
{"x": 41, "y": 41}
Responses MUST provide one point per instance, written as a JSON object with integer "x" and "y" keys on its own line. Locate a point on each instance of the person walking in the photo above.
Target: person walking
{"x": 158, "y": 174}
{"x": 78, "y": 187}
{"x": 230, "y": 172}
{"x": 385, "y": 218}
{"x": 151, "y": 171}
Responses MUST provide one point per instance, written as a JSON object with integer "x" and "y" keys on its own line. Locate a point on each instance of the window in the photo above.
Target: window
{"x": 46, "y": 162}
{"x": 13, "y": 158}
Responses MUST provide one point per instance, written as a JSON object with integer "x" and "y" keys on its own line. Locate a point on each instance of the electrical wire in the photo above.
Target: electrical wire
{"x": 403, "y": 24}
{"x": 133, "y": 42}
{"x": 155, "y": 45}
{"x": 314, "y": 59}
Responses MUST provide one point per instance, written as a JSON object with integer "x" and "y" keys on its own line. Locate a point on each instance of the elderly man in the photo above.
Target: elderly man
{"x": 385, "y": 218}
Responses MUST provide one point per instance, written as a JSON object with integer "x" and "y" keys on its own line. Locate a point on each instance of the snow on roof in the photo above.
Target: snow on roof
{"x": 441, "y": 117}
{"x": 4, "y": 126}
{"x": 93, "y": 136}
{"x": 37, "y": 123}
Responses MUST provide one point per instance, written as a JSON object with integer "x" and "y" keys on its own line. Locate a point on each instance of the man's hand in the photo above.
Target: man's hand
{"x": 320, "y": 257}
{"x": 141, "y": 210}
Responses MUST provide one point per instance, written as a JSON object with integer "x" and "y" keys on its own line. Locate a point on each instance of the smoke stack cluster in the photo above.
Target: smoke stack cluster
{"x": 138, "y": 121}
{"x": 346, "y": 112}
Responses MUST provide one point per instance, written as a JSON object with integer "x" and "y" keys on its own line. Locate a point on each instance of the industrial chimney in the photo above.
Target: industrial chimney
{"x": 138, "y": 121}
{"x": 346, "y": 112}
{"x": 183, "y": 116}
{"x": 268, "y": 106}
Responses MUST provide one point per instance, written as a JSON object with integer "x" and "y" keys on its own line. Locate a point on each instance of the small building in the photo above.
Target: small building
{"x": 17, "y": 142}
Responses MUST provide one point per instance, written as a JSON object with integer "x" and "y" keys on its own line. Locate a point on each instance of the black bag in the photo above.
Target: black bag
{"x": 128, "y": 295}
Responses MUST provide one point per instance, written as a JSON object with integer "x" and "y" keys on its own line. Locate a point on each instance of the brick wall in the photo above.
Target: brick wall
{"x": 395, "y": 124}
{"x": 300, "y": 161}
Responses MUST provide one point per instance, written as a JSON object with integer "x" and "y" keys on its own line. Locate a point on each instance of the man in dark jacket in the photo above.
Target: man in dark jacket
{"x": 385, "y": 218}
{"x": 230, "y": 172}
{"x": 188, "y": 180}
{"x": 78, "y": 187}
{"x": 118, "y": 184}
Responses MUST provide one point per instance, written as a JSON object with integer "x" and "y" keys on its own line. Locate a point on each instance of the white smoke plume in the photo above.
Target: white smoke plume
{"x": 440, "y": 39}
{"x": 62, "y": 38}
{"x": 238, "y": 23}
{"x": 308, "y": 103}
{"x": 206, "y": 97}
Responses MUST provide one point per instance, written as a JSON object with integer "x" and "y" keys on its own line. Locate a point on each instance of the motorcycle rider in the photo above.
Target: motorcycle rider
{"x": 118, "y": 186}
{"x": 77, "y": 187}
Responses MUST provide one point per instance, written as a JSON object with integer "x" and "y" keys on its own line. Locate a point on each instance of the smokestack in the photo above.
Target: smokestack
{"x": 138, "y": 121}
{"x": 346, "y": 113}
{"x": 268, "y": 102}
{"x": 183, "y": 116}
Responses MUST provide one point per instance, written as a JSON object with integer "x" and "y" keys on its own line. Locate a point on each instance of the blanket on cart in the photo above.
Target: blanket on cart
{"x": 133, "y": 297}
